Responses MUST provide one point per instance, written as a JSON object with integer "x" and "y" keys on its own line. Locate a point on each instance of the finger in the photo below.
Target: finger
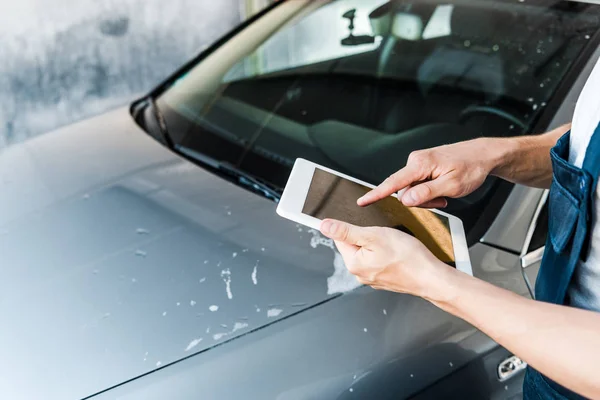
{"x": 393, "y": 184}
{"x": 440, "y": 202}
{"x": 425, "y": 192}
{"x": 347, "y": 251}
{"x": 344, "y": 232}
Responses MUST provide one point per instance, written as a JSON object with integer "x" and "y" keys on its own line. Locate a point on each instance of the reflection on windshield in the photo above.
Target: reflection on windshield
{"x": 357, "y": 85}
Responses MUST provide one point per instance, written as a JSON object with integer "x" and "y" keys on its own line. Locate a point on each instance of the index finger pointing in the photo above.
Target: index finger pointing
{"x": 396, "y": 182}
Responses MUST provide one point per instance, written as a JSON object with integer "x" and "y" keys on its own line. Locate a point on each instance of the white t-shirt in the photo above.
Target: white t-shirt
{"x": 584, "y": 291}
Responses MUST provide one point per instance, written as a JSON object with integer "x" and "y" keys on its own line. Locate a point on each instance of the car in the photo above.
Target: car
{"x": 141, "y": 254}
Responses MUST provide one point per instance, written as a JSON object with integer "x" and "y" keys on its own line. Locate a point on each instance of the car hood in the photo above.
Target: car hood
{"x": 118, "y": 257}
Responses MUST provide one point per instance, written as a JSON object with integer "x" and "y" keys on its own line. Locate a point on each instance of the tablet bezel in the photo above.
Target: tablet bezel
{"x": 294, "y": 196}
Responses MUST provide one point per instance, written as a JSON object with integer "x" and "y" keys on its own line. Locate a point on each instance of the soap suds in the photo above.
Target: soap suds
{"x": 257, "y": 308}
{"x": 226, "y": 275}
{"x": 451, "y": 365}
{"x": 319, "y": 240}
{"x": 238, "y": 326}
{"x": 178, "y": 304}
{"x": 202, "y": 280}
{"x": 342, "y": 281}
{"x": 192, "y": 303}
{"x": 254, "y": 274}
{"x": 158, "y": 363}
{"x": 193, "y": 344}
{"x": 213, "y": 308}
{"x": 164, "y": 313}
{"x": 274, "y": 312}
{"x": 365, "y": 329}
{"x": 234, "y": 255}
{"x": 142, "y": 231}
{"x": 141, "y": 253}
{"x": 384, "y": 311}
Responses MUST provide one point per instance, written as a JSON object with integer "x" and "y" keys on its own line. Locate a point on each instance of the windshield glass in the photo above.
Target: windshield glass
{"x": 356, "y": 85}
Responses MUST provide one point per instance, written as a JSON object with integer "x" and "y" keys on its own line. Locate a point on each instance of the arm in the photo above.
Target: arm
{"x": 560, "y": 342}
{"x": 458, "y": 169}
{"x": 526, "y": 160}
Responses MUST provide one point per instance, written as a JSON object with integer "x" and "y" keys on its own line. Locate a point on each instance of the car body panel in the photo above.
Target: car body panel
{"x": 114, "y": 256}
{"x": 104, "y": 262}
{"x": 379, "y": 344}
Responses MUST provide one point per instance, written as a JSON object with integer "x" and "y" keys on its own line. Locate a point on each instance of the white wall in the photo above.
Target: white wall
{"x": 64, "y": 60}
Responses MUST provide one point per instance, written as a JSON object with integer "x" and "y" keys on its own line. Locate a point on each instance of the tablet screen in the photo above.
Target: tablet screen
{"x": 331, "y": 196}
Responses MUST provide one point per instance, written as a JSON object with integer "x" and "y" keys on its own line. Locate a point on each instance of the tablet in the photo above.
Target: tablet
{"x": 314, "y": 193}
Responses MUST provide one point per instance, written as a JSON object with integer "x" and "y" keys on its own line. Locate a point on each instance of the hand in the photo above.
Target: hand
{"x": 430, "y": 175}
{"x": 385, "y": 258}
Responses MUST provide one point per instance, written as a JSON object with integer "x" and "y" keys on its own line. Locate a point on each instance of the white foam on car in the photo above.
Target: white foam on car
{"x": 342, "y": 281}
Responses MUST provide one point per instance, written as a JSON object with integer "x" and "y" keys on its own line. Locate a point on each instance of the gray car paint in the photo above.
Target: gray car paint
{"x": 326, "y": 353}
{"x": 113, "y": 251}
{"x": 104, "y": 231}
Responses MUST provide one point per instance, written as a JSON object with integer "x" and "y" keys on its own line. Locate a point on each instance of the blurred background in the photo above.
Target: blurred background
{"x": 66, "y": 60}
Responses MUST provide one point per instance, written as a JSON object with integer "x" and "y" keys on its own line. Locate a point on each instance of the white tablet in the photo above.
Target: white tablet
{"x": 314, "y": 193}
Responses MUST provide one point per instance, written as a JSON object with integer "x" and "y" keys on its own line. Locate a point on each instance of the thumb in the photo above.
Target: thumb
{"x": 344, "y": 232}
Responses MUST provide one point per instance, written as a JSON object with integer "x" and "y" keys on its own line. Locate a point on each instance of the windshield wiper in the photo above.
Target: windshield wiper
{"x": 242, "y": 177}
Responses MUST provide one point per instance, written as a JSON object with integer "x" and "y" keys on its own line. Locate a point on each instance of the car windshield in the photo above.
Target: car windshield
{"x": 356, "y": 85}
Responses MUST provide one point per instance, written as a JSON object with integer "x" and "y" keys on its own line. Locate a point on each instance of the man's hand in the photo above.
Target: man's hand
{"x": 431, "y": 175}
{"x": 385, "y": 258}
{"x": 456, "y": 170}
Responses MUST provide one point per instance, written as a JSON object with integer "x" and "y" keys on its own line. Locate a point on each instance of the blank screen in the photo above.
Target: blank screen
{"x": 331, "y": 196}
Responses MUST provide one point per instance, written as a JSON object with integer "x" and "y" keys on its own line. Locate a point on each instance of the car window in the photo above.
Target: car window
{"x": 356, "y": 85}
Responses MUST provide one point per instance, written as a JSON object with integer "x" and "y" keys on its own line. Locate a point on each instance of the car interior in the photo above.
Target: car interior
{"x": 484, "y": 70}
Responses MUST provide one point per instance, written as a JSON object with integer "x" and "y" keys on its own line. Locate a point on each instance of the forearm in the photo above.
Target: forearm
{"x": 562, "y": 343}
{"x": 525, "y": 160}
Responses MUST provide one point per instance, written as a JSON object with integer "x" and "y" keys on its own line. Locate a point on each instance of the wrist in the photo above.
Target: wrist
{"x": 502, "y": 155}
{"x": 441, "y": 285}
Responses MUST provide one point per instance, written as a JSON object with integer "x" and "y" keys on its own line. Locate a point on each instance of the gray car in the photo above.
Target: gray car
{"x": 141, "y": 255}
